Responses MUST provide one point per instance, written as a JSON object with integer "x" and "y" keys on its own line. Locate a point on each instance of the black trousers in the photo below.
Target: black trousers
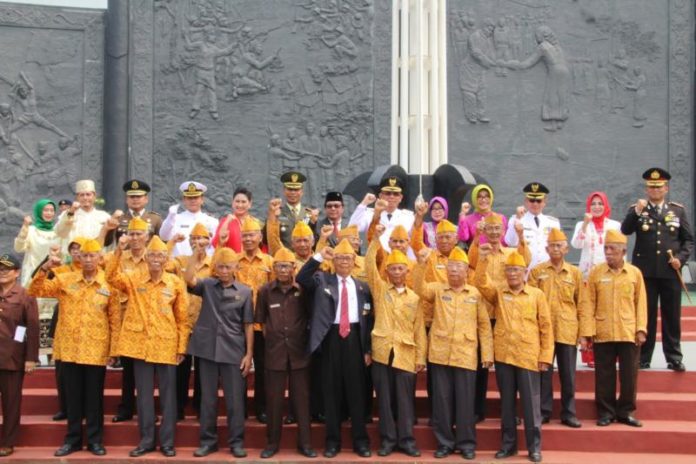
{"x": 11, "y": 392}
{"x": 316, "y": 406}
{"x": 84, "y": 385}
{"x": 233, "y": 388}
{"x": 145, "y": 384}
{"x": 566, "y": 357}
{"x": 605, "y": 379}
{"x": 298, "y": 380}
{"x": 126, "y": 408}
{"x": 453, "y": 404}
{"x": 60, "y": 387}
{"x": 395, "y": 389}
{"x": 510, "y": 379}
{"x": 481, "y": 384}
{"x": 343, "y": 371}
{"x": 668, "y": 292}
{"x": 183, "y": 375}
{"x": 259, "y": 373}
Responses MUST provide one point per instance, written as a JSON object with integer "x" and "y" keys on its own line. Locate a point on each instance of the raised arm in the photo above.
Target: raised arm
{"x": 417, "y": 242}
{"x": 374, "y": 279}
{"x": 362, "y": 216}
{"x": 424, "y": 289}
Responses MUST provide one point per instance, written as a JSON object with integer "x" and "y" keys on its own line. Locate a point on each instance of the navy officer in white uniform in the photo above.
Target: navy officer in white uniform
{"x": 537, "y": 225}
{"x": 182, "y": 222}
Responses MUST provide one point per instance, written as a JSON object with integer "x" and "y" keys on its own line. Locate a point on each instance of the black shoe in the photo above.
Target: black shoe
{"x": 572, "y": 422}
{"x": 676, "y": 366}
{"x": 180, "y": 416}
{"x": 535, "y": 456}
{"x": 502, "y": 454}
{"x": 139, "y": 451}
{"x": 96, "y": 449}
{"x": 59, "y": 416}
{"x": 604, "y": 421}
{"x": 469, "y": 454}
{"x": 262, "y": 417}
{"x": 330, "y": 452}
{"x": 385, "y": 450}
{"x": 410, "y": 450}
{"x": 167, "y": 451}
{"x": 268, "y": 452}
{"x": 545, "y": 420}
{"x": 290, "y": 419}
{"x": 518, "y": 420}
{"x": 480, "y": 419}
{"x": 307, "y": 451}
{"x": 119, "y": 418}
{"x": 644, "y": 365}
{"x": 238, "y": 452}
{"x": 66, "y": 449}
{"x": 363, "y": 452}
{"x": 630, "y": 420}
{"x": 205, "y": 450}
{"x": 442, "y": 452}
{"x": 319, "y": 418}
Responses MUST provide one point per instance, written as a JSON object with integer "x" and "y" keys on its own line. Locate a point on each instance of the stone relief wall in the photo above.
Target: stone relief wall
{"x": 51, "y": 86}
{"x": 582, "y": 95}
{"x": 239, "y": 92}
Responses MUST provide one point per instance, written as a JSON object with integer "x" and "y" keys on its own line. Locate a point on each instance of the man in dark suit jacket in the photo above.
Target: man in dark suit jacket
{"x": 333, "y": 216}
{"x": 661, "y": 228}
{"x": 137, "y": 198}
{"x": 340, "y": 327}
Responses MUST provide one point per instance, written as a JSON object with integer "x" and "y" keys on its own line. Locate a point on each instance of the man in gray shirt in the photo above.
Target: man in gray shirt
{"x": 223, "y": 340}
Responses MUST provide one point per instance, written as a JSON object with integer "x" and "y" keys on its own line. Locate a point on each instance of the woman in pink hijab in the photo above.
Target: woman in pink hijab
{"x": 482, "y": 201}
{"x": 439, "y": 210}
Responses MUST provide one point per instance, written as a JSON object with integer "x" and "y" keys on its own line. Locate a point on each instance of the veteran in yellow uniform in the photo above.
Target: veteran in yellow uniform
{"x": 85, "y": 341}
{"x": 523, "y": 346}
{"x": 154, "y": 333}
{"x": 619, "y": 312}
{"x": 399, "y": 347}
{"x": 562, "y": 283}
{"x": 460, "y": 325}
{"x": 256, "y": 270}
{"x": 351, "y": 233}
{"x": 497, "y": 255}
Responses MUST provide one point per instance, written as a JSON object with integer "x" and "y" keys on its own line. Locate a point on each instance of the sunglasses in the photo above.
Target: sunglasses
{"x": 333, "y": 205}
{"x": 535, "y": 200}
{"x": 391, "y": 194}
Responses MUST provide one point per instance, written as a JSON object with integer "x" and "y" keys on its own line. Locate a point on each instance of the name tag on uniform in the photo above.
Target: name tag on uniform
{"x": 167, "y": 292}
{"x": 276, "y": 305}
{"x": 569, "y": 282}
{"x": 606, "y": 280}
{"x": 184, "y": 226}
{"x": 472, "y": 299}
{"x": 439, "y": 266}
{"x": 507, "y": 297}
{"x": 446, "y": 298}
{"x": 141, "y": 289}
{"x": 74, "y": 287}
{"x": 543, "y": 276}
{"x": 103, "y": 291}
{"x": 20, "y": 333}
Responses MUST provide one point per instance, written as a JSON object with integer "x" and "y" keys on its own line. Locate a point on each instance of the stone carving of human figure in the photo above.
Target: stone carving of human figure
{"x": 472, "y": 72}
{"x": 247, "y": 73}
{"x": 554, "y": 107}
{"x": 637, "y": 86}
{"x": 207, "y": 54}
{"x": 279, "y": 160}
{"x": 26, "y": 97}
{"x": 6, "y": 120}
{"x": 602, "y": 85}
{"x": 619, "y": 79}
{"x": 339, "y": 42}
{"x": 56, "y": 167}
{"x": 501, "y": 39}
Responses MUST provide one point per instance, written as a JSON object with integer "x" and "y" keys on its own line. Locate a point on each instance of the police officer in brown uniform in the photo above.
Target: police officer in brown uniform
{"x": 664, "y": 242}
{"x": 19, "y": 347}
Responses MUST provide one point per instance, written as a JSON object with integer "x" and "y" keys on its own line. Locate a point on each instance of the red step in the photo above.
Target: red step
{"x": 654, "y": 437}
{"x": 119, "y": 455}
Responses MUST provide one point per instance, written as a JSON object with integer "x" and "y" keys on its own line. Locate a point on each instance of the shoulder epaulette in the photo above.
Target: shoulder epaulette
{"x": 676, "y": 204}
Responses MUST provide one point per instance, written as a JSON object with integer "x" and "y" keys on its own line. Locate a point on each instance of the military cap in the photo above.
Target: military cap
{"x": 391, "y": 184}
{"x": 535, "y": 190}
{"x": 192, "y": 189}
{"x": 10, "y": 260}
{"x": 293, "y": 180}
{"x": 333, "y": 196}
{"x": 656, "y": 177}
{"x": 136, "y": 187}
{"x": 64, "y": 203}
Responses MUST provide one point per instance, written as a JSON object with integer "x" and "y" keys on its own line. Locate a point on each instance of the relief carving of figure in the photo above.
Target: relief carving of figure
{"x": 619, "y": 79}
{"x": 637, "y": 86}
{"x": 501, "y": 39}
{"x": 554, "y": 107}
{"x": 472, "y": 72}
{"x": 26, "y": 97}
{"x": 247, "y": 72}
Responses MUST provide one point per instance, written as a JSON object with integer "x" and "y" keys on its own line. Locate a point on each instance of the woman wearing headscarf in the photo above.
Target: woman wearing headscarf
{"x": 589, "y": 237}
{"x": 589, "y": 233}
{"x": 482, "y": 201}
{"x": 438, "y": 210}
{"x": 36, "y": 237}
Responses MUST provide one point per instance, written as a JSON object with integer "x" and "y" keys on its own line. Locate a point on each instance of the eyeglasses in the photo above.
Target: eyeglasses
{"x": 333, "y": 205}
{"x": 437, "y": 208}
{"x": 535, "y": 200}
{"x": 391, "y": 194}
{"x": 283, "y": 267}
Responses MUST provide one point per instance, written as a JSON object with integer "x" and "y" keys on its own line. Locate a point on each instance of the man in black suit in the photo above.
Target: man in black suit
{"x": 664, "y": 242}
{"x": 340, "y": 326}
{"x": 333, "y": 216}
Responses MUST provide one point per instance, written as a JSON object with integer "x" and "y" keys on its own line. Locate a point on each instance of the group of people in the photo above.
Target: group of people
{"x": 294, "y": 299}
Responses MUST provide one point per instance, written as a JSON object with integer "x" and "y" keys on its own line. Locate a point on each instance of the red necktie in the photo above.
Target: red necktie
{"x": 335, "y": 224}
{"x": 343, "y": 322}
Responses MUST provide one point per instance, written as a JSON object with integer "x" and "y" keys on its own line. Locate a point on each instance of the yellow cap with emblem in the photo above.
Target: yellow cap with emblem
{"x": 350, "y": 231}
{"x": 90, "y": 246}
{"x": 493, "y": 219}
{"x": 283, "y": 255}
{"x": 302, "y": 230}
{"x": 251, "y": 225}
{"x": 445, "y": 226}
{"x": 396, "y": 257}
{"x": 556, "y": 235}
{"x": 614, "y": 236}
{"x": 344, "y": 248}
{"x": 458, "y": 255}
{"x": 156, "y": 244}
{"x": 515, "y": 259}
{"x": 138, "y": 224}
{"x": 199, "y": 230}
{"x": 224, "y": 255}
{"x": 399, "y": 233}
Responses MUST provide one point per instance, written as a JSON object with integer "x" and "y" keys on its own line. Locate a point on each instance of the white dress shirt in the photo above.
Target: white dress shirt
{"x": 182, "y": 223}
{"x": 81, "y": 224}
{"x": 362, "y": 217}
{"x": 534, "y": 235}
{"x": 352, "y": 300}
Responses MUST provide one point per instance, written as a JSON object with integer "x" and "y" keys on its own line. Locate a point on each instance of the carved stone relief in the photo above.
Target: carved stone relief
{"x": 581, "y": 96}
{"x": 50, "y": 106}
{"x": 242, "y": 91}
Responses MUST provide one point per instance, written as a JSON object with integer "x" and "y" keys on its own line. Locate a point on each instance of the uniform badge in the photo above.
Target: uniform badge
{"x": 296, "y": 294}
{"x": 104, "y": 292}
{"x": 275, "y": 305}
{"x": 645, "y": 227}
{"x": 507, "y": 297}
{"x": 167, "y": 292}
{"x": 327, "y": 291}
{"x": 472, "y": 300}
{"x": 446, "y": 298}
